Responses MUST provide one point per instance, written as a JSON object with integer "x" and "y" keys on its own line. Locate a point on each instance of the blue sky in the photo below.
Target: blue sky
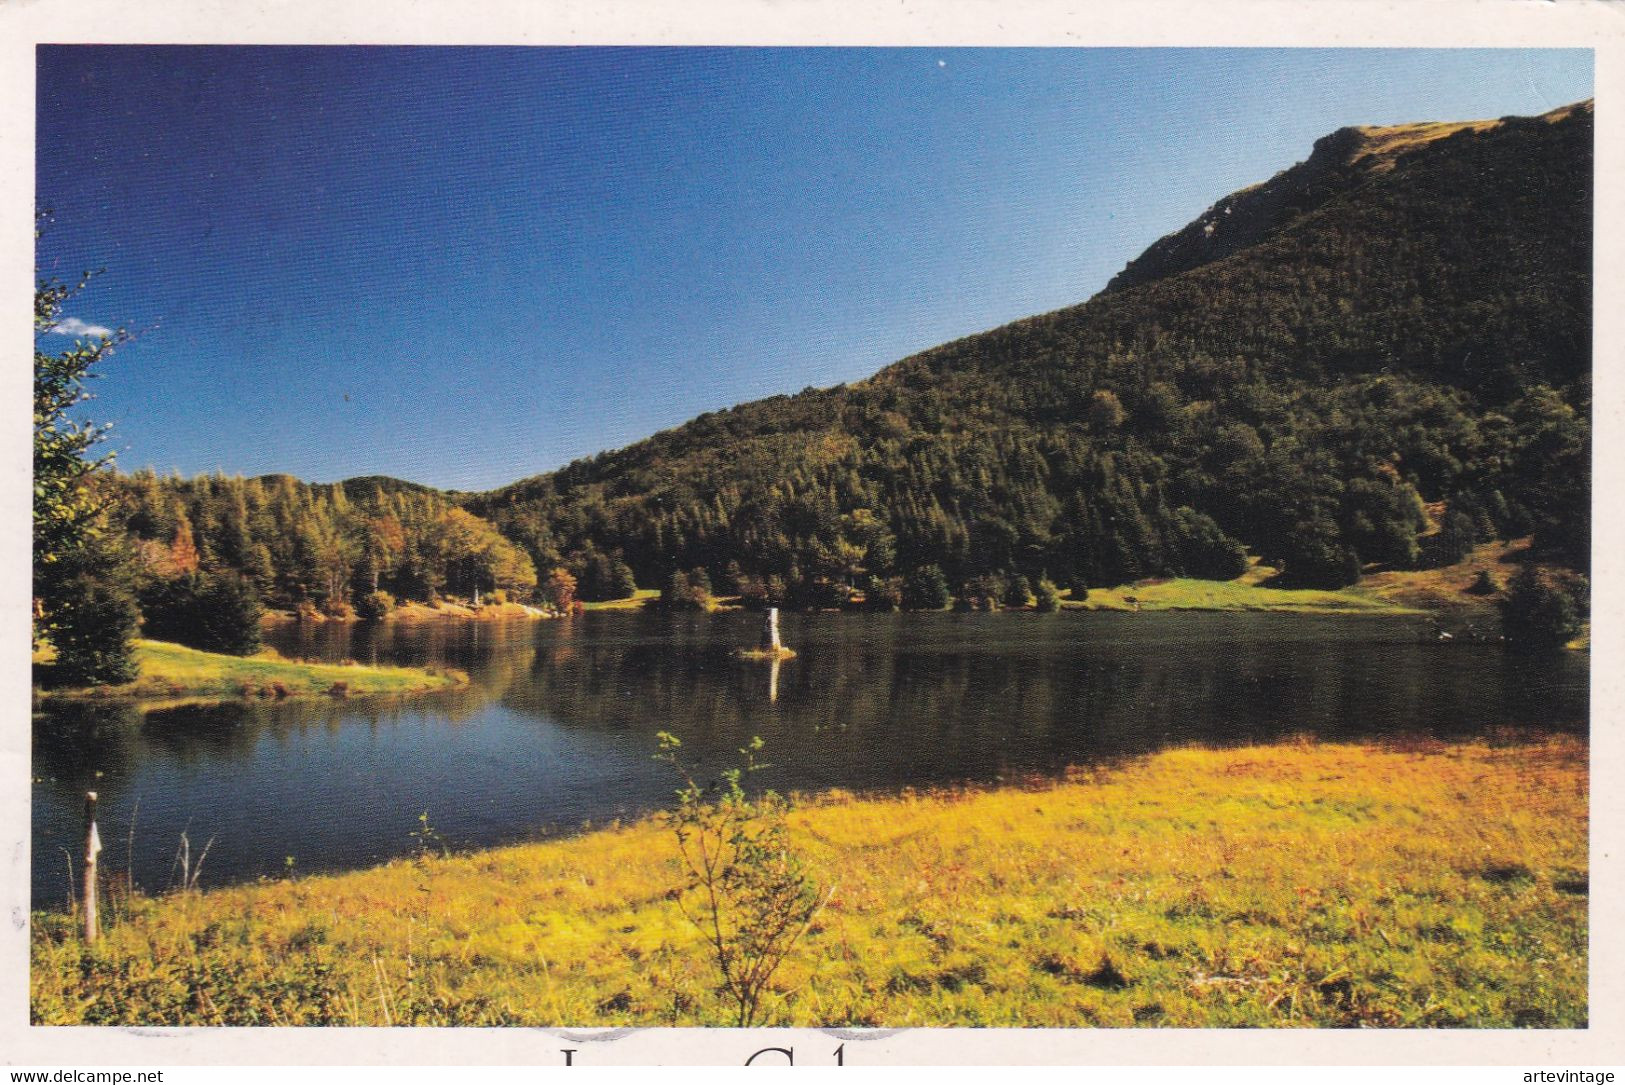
{"x": 465, "y": 266}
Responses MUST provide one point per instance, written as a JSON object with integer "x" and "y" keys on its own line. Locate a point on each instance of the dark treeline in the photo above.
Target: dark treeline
{"x": 1411, "y": 328}
{"x": 1403, "y": 323}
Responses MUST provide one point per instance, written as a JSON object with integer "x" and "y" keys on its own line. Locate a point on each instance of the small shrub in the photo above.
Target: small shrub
{"x": 686, "y": 591}
{"x": 428, "y": 839}
{"x": 1047, "y": 597}
{"x": 1539, "y": 613}
{"x": 1017, "y": 592}
{"x": 884, "y": 594}
{"x": 980, "y": 593}
{"x": 925, "y": 589}
{"x": 744, "y": 888}
{"x": 375, "y": 606}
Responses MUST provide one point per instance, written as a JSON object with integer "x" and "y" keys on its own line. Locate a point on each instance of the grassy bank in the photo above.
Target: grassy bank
{"x": 639, "y": 599}
{"x": 1445, "y": 590}
{"x": 171, "y": 672}
{"x": 1448, "y": 589}
{"x": 1243, "y": 594}
{"x": 1289, "y": 885}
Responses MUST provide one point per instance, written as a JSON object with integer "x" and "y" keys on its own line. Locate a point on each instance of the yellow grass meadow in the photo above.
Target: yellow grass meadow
{"x": 1411, "y": 884}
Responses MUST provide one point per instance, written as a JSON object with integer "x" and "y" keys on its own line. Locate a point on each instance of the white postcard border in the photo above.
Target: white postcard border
{"x": 1593, "y": 24}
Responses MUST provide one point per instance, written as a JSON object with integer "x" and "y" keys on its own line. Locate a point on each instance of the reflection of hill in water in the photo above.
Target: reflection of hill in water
{"x": 73, "y": 738}
{"x": 880, "y": 697}
{"x": 878, "y": 700}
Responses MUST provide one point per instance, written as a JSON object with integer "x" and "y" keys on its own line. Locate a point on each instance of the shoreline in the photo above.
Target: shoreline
{"x": 413, "y": 612}
{"x": 1443, "y": 592}
{"x": 1257, "y": 885}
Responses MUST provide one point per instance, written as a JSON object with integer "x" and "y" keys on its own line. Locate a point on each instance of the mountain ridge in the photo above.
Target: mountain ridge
{"x": 1245, "y": 216}
{"x": 1404, "y": 326}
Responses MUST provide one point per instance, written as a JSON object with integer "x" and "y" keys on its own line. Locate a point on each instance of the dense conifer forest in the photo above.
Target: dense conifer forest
{"x": 1375, "y": 359}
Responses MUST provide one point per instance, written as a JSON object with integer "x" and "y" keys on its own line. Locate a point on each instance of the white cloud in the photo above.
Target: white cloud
{"x": 79, "y": 329}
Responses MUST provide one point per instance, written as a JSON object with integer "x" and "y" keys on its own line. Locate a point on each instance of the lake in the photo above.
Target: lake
{"x": 558, "y": 726}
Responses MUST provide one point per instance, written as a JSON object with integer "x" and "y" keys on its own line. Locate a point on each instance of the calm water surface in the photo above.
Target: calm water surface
{"x": 558, "y": 727}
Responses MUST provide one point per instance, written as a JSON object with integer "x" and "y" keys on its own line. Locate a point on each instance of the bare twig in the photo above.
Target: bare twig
{"x": 129, "y": 846}
{"x": 197, "y": 871}
{"x": 73, "y": 901}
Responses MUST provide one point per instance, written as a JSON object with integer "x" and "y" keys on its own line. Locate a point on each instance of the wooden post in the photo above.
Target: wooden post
{"x": 93, "y": 845}
{"x": 770, "y": 631}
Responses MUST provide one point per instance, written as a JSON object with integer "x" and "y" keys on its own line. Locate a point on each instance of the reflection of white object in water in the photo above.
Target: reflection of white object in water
{"x": 773, "y": 680}
{"x": 770, "y": 631}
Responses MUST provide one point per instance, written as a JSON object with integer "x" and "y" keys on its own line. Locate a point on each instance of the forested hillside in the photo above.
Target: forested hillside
{"x": 1402, "y": 320}
{"x": 1407, "y": 321}
{"x": 326, "y": 546}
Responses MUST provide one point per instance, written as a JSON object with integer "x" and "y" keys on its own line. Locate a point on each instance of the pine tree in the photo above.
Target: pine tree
{"x": 83, "y": 602}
